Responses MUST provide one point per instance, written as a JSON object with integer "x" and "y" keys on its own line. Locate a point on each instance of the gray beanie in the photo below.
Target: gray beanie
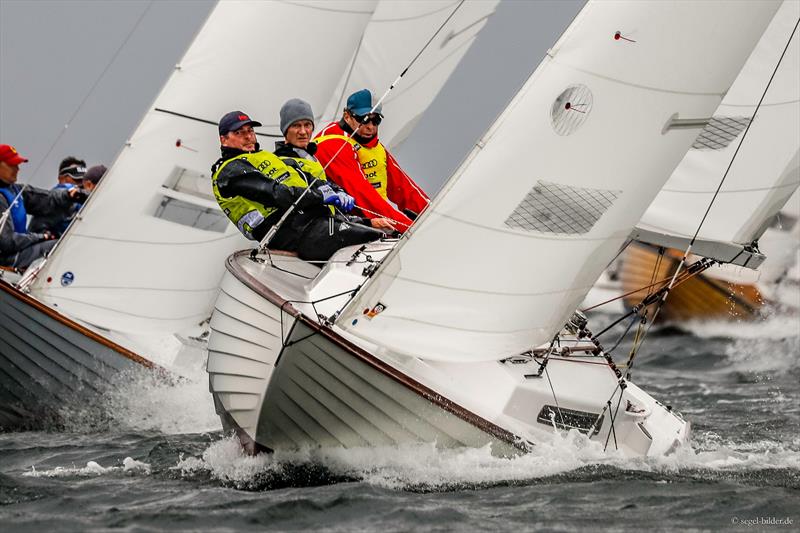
{"x": 294, "y": 110}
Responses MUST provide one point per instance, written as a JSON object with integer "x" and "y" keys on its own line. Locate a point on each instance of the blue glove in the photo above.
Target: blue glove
{"x": 346, "y": 202}
{"x": 329, "y": 196}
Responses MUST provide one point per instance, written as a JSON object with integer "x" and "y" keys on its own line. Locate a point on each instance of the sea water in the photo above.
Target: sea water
{"x": 151, "y": 456}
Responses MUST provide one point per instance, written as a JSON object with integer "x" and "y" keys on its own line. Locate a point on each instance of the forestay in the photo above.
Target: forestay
{"x": 766, "y": 170}
{"x": 149, "y": 250}
{"x": 508, "y": 250}
{"x": 394, "y": 35}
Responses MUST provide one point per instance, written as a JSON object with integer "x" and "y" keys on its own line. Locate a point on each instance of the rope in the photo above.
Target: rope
{"x": 94, "y": 85}
{"x": 274, "y": 229}
{"x": 746, "y": 131}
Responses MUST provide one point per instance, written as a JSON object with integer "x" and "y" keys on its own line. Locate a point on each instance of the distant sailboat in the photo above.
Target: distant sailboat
{"x": 456, "y": 334}
{"x": 132, "y": 283}
{"x": 763, "y": 176}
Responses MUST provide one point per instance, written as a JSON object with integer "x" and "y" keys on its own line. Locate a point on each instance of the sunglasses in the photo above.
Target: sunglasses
{"x": 366, "y": 119}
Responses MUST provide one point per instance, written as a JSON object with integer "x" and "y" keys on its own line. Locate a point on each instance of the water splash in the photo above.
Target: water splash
{"x": 142, "y": 400}
{"x": 92, "y": 469}
{"x": 423, "y": 467}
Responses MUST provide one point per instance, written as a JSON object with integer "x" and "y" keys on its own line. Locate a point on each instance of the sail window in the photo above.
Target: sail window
{"x": 571, "y": 109}
{"x": 570, "y": 419}
{"x": 187, "y": 199}
{"x": 553, "y": 208}
{"x": 720, "y": 132}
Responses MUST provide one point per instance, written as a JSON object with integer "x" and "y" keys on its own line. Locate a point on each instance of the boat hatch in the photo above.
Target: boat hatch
{"x": 570, "y": 419}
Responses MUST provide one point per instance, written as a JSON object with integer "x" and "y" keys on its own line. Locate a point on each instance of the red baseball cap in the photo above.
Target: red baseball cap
{"x": 9, "y": 154}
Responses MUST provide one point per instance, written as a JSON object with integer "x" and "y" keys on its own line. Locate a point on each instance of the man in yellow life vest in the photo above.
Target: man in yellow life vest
{"x": 297, "y": 150}
{"x": 255, "y": 188}
{"x": 355, "y": 159}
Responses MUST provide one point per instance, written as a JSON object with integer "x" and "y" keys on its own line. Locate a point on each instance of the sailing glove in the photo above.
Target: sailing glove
{"x": 346, "y": 202}
{"x": 338, "y": 199}
{"x": 329, "y": 196}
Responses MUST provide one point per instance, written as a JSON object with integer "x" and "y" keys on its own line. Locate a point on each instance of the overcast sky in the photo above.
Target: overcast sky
{"x": 97, "y": 66}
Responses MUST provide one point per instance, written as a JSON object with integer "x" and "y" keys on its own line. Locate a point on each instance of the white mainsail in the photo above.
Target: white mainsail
{"x": 766, "y": 170}
{"x": 506, "y": 252}
{"x": 394, "y": 35}
{"x": 148, "y": 250}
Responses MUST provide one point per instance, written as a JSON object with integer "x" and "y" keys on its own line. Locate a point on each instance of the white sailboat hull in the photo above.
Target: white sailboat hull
{"x": 287, "y": 382}
{"x": 49, "y": 363}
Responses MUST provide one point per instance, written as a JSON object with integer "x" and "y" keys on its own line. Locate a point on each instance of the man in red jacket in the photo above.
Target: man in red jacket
{"x": 360, "y": 164}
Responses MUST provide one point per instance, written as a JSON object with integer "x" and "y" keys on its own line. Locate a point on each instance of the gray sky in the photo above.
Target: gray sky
{"x": 97, "y": 66}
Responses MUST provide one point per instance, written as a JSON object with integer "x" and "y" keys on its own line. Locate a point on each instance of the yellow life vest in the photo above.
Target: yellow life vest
{"x": 373, "y": 161}
{"x": 248, "y": 214}
{"x": 311, "y": 167}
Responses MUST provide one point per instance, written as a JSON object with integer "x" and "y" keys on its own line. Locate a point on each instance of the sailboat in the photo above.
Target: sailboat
{"x": 132, "y": 283}
{"x": 463, "y": 332}
{"x": 751, "y": 206}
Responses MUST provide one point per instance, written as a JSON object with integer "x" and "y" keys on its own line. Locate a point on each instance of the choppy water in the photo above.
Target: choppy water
{"x": 152, "y": 457}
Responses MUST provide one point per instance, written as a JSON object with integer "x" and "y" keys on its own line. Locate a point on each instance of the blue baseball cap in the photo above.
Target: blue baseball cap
{"x": 361, "y": 102}
{"x": 234, "y": 120}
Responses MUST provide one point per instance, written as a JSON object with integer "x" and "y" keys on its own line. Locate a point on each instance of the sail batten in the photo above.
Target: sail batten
{"x": 153, "y": 223}
{"x": 765, "y": 171}
{"x": 557, "y": 183}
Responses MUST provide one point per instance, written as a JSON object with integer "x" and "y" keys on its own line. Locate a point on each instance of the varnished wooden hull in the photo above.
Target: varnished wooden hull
{"x": 701, "y": 297}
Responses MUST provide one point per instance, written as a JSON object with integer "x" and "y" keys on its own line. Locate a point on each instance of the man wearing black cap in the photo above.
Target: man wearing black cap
{"x": 18, "y": 246}
{"x": 255, "y": 188}
{"x": 71, "y": 171}
{"x": 356, "y": 160}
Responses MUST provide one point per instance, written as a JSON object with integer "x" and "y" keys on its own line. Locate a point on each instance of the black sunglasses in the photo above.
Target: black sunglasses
{"x": 366, "y": 119}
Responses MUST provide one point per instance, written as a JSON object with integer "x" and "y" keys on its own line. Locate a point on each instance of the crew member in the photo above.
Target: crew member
{"x": 255, "y": 188}
{"x": 354, "y": 158}
{"x": 297, "y": 149}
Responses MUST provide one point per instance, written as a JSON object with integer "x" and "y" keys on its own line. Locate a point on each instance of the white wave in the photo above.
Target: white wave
{"x": 92, "y": 468}
{"x": 423, "y": 465}
{"x": 772, "y": 325}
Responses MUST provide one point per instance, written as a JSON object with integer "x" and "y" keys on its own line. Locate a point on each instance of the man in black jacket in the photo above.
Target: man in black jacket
{"x": 18, "y": 247}
{"x": 255, "y": 188}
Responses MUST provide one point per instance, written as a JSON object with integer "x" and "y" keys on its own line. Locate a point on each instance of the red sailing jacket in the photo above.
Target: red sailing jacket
{"x": 345, "y": 170}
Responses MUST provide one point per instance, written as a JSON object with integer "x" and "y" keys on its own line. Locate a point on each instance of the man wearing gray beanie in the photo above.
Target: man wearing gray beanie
{"x": 293, "y": 111}
{"x": 297, "y": 151}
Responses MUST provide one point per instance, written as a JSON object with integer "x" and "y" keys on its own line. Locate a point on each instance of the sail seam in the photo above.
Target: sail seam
{"x": 522, "y": 233}
{"x": 791, "y": 184}
{"x": 638, "y": 85}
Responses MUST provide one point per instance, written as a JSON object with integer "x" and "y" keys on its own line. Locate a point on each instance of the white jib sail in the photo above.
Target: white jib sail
{"x": 517, "y": 237}
{"x": 394, "y": 35}
{"x": 766, "y": 170}
{"x": 148, "y": 251}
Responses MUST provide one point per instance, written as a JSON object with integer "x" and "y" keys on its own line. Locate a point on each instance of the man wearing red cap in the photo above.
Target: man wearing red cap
{"x": 360, "y": 164}
{"x": 18, "y": 247}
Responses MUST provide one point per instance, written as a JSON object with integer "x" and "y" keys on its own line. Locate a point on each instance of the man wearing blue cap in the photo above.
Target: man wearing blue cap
{"x": 355, "y": 159}
{"x": 255, "y": 188}
{"x": 71, "y": 171}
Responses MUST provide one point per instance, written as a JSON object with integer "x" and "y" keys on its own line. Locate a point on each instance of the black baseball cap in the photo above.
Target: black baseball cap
{"x": 234, "y": 120}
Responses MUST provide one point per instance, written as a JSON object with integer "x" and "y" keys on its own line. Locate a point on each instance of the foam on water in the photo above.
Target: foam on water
{"x": 92, "y": 468}
{"x": 423, "y": 466}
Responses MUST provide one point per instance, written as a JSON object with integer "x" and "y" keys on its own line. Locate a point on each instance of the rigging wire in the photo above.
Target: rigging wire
{"x": 78, "y": 109}
{"x": 274, "y": 229}
{"x": 665, "y": 290}
{"x": 96, "y": 83}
